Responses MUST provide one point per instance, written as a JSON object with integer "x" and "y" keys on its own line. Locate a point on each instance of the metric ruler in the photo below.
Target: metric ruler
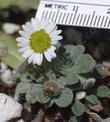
{"x": 84, "y": 13}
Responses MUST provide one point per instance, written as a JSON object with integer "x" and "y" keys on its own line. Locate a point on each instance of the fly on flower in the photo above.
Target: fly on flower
{"x": 38, "y": 39}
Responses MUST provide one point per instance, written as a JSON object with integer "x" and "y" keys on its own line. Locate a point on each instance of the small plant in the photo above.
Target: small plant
{"x": 68, "y": 81}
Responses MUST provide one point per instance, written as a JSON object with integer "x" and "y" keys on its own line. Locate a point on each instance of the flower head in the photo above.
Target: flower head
{"x": 38, "y": 38}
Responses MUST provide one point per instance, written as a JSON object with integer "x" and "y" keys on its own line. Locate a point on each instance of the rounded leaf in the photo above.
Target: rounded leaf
{"x": 74, "y": 51}
{"x": 84, "y": 64}
{"x": 61, "y": 82}
{"x": 42, "y": 97}
{"x": 72, "y": 78}
{"x": 93, "y": 99}
{"x": 65, "y": 98}
{"x": 103, "y": 91}
{"x": 23, "y": 88}
{"x": 78, "y": 108}
{"x": 32, "y": 94}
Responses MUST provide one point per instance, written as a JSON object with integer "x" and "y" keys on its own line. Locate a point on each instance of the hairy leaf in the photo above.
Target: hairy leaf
{"x": 78, "y": 108}
{"x": 65, "y": 98}
{"x": 93, "y": 99}
{"x": 103, "y": 91}
{"x": 84, "y": 64}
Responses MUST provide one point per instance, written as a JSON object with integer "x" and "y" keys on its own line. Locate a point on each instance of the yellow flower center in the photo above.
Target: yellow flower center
{"x": 40, "y": 41}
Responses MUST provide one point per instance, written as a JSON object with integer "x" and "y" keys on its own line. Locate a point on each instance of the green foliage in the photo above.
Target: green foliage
{"x": 23, "y": 4}
{"x": 93, "y": 99}
{"x": 65, "y": 98}
{"x": 78, "y": 108}
{"x": 103, "y": 91}
{"x": 84, "y": 64}
{"x": 56, "y": 83}
{"x": 74, "y": 51}
{"x": 12, "y": 57}
{"x": 100, "y": 69}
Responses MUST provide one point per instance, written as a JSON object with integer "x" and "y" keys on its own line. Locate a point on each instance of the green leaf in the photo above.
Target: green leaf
{"x": 61, "y": 82}
{"x": 78, "y": 108}
{"x": 103, "y": 91}
{"x": 12, "y": 57}
{"x": 23, "y": 88}
{"x": 72, "y": 78}
{"x": 65, "y": 98}
{"x": 23, "y": 4}
{"x": 73, "y": 119}
{"x": 74, "y": 51}
{"x": 71, "y": 75}
{"x": 42, "y": 97}
{"x": 32, "y": 94}
{"x": 100, "y": 69}
{"x": 84, "y": 64}
{"x": 93, "y": 99}
{"x": 89, "y": 83}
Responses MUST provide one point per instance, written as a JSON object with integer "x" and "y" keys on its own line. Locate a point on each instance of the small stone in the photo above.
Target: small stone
{"x": 6, "y": 77}
{"x": 9, "y": 108}
{"x": 21, "y": 120}
{"x": 80, "y": 95}
{"x": 3, "y": 67}
{"x": 10, "y": 28}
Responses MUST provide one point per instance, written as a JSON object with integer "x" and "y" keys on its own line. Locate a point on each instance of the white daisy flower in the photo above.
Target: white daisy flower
{"x": 38, "y": 38}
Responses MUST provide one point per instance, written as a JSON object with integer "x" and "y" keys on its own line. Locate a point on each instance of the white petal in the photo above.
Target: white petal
{"x": 51, "y": 27}
{"x": 36, "y": 23}
{"x": 22, "y": 39}
{"x": 27, "y": 54}
{"x": 44, "y": 23}
{"x": 56, "y": 32}
{"x": 24, "y": 34}
{"x": 38, "y": 59}
{"x": 51, "y": 51}
{"x": 56, "y": 38}
{"x": 22, "y": 44}
{"x": 48, "y": 56}
{"x": 54, "y": 42}
{"x": 22, "y": 50}
{"x": 31, "y": 58}
{"x": 28, "y": 27}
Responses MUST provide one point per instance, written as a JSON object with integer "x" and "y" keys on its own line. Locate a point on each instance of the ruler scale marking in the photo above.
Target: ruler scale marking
{"x": 77, "y": 19}
{"x": 70, "y": 18}
{"x": 106, "y": 21}
{"x": 88, "y": 20}
{"x": 102, "y": 21}
{"x": 98, "y": 21}
{"x": 92, "y": 18}
{"x": 95, "y": 20}
{"x": 81, "y": 19}
{"x": 66, "y": 18}
{"x": 56, "y": 15}
{"x": 75, "y": 14}
{"x": 84, "y": 19}
{"x": 90, "y": 13}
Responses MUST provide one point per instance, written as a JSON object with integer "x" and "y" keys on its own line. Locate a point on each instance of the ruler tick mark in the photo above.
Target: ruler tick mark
{"x": 70, "y": 17}
{"x": 106, "y": 21}
{"x": 77, "y": 19}
{"x": 98, "y": 21}
{"x": 84, "y": 19}
{"x": 63, "y": 17}
{"x": 81, "y": 19}
{"x": 75, "y": 14}
{"x": 92, "y": 18}
{"x": 95, "y": 20}
{"x": 88, "y": 20}
{"x": 67, "y": 18}
{"x": 102, "y": 21}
